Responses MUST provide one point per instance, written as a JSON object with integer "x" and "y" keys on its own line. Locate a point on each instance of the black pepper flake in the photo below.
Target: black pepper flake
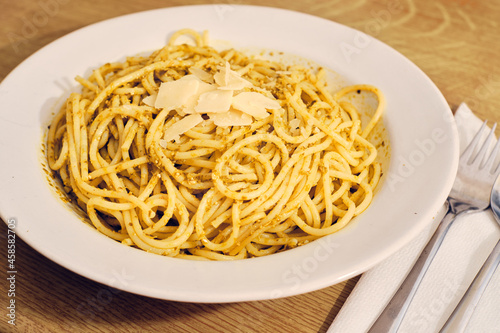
{"x": 358, "y": 91}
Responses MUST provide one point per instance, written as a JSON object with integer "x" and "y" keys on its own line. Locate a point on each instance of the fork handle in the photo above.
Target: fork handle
{"x": 461, "y": 315}
{"x": 391, "y": 317}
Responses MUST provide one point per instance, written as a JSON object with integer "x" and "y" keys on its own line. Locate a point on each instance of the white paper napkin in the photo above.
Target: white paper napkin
{"x": 464, "y": 250}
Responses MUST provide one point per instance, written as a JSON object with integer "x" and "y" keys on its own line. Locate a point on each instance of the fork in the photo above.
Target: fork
{"x": 470, "y": 193}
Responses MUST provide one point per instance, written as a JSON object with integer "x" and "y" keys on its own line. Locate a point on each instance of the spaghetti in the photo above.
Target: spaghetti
{"x": 179, "y": 182}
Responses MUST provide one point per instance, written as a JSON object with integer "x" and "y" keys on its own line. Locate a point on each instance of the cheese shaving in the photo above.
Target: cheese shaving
{"x": 175, "y": 94}
{"x": 254, "y": 104}
{"x": 214, "y": 101}
{"x": 201, "y": 74}
{"x": 182, "y": 94}
{"x": 192, "y": 101}
{"x": 231, "y": 118}
{"x": 228, "y": 79}
{"x": 180, "y": 127}
{"x": 203, "y": 93}
{"x": 150, "y": 100}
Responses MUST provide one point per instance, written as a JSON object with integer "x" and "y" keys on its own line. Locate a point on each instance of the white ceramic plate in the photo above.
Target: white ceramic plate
{"x": 422, "y": 169}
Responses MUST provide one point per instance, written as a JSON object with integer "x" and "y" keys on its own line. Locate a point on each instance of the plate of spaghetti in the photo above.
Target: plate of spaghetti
{"x": 222, "y": 153}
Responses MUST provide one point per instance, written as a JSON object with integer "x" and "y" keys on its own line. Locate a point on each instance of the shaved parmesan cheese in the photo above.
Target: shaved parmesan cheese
{"x": 214, "y": 101}
{"x": 180, "y": 127}
{"x": 174, "y": 94}
{"x": 254, "y": 104}
{"x": 189, "y": 106}
{"x": 231, "y": 118}
{"x": 228, "y": 79}
{"x": 180, "y": 112}
{"x": 201, "y": 74}
{"x": 182, "y": 94}
{"x": 150, "y": 100}
{"x": 201, "y": 93}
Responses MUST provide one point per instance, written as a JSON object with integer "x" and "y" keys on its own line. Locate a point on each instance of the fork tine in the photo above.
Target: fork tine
{"x": 478, "y": 160}
{"x": 466, "y": 155}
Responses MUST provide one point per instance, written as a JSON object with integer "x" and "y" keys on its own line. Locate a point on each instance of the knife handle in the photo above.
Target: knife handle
{"x": 461, "y": 315}
{"x": 391, "y": 317}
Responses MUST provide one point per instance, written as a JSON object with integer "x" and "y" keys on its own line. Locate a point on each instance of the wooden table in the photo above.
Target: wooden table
{"x": 455, "y": 42}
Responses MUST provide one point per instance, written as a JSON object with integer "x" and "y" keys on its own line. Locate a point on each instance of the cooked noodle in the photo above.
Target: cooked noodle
{"x": 213, "y": 192}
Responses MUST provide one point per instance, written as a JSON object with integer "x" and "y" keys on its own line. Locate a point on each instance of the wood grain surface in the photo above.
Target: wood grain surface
{"x": 455, "y": 42}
